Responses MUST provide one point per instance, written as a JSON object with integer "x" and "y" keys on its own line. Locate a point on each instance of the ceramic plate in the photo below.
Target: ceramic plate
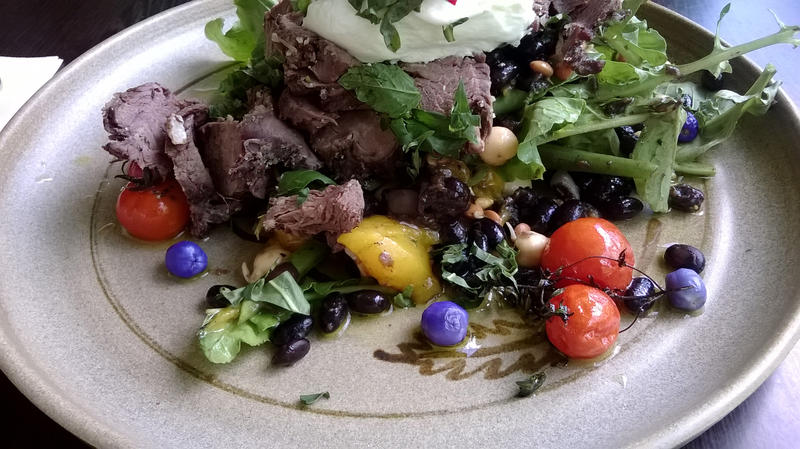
{"x": 96, "y": 333}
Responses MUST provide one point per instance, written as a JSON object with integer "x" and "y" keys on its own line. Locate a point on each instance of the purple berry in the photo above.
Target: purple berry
{"x": 445, "y": 323}
{"x": 686, "y": 289}
{"x": 689, "y": 130}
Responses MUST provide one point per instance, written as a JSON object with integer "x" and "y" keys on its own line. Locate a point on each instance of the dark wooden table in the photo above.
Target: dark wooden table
{"x": 770, "y": 418}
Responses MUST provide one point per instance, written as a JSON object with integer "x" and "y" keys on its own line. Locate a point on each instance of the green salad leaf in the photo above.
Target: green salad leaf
{"x": 243, "y": 37}
{"x": 529, "y": 386}
{"x": 719, "y": 114}
{"x": 658, "y": 145}
{"x": 224, "y": 330}
{"x": 496, "y": 270}
{"x": 300, "y": 182}
{"x": 403, "y": 299}
{"x": 282, "y": 291}
{"x": 385, "y": 87}
{"x": 636, "y": 43}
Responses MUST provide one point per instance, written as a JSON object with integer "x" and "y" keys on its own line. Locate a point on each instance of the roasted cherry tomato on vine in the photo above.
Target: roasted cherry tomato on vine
{"x": 574, "y": 248}
{"x": 591, "y": 329}
{"x": 153, "y": 213}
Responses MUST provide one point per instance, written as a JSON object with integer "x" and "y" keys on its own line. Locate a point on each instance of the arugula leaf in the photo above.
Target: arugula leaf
{"x": 723, "y": 66}
{"x": 403, "y": 299}
{"x": 299, "y": 182}
{"x": 308, "y": 399}
{"x": 385, "y": 87}
{"x": 224, "y": 330}
{"x": 242, "y": 38}
{"x": 282, "y": 291}
{"x": 529, "y": 386}
{"x": 559, "y": 157}
{"x": 636, "y": 43}
{"x": 658, "y": 145}
{"x": 434, "y": 132}
{"x": 715, "y": 62}
{"x": 719, "y": 114}
{"x": 448, "y": 29}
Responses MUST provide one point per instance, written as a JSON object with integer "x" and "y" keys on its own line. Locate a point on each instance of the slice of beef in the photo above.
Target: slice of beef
{"x": 302, "y": 49}
{"x": 239, "y": 153}
{"x": 357, "y": 147}
{"x": 344, "y": 132}
{"x": 585, "y": 15}
{"x": 438, "y": 80}
{"x": 206, "y": 206}
{"x": 303, "y": 113}
{"x": 335, "y": 210}
{"x": 136, "y": 121}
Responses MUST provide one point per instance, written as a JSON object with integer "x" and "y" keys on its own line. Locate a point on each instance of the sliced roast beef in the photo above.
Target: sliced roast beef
{"x": 335, "y": 210}
{"x": 239, "y": 153}
{"x": 206, "y": 206}
{"x": 344, "y": 132}
{"x": 357, "y": 147}
{"x": 585, "y": 16}
{"x": 136, "y": 121}
{"x": 438, "y": 80}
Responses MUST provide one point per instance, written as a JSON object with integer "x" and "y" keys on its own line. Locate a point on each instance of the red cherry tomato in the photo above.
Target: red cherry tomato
{"x": 154, "y": 213}
{"x": 573, "y": 242}
{"x": 593, "y": 326}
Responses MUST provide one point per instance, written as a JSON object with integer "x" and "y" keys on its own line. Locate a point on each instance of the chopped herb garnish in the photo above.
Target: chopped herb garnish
{"x": 529, "y": 386}
{"x": 308, "y": 399}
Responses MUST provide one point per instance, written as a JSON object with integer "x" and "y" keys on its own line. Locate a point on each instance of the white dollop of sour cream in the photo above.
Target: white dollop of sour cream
{"x": 490, "y": 24}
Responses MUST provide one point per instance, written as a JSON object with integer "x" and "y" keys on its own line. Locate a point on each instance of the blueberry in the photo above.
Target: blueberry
{"x": 685, "y": 289}
{"x": 445, "y": 323}
{"x": 689, "y": 130}
{"x": 186, "y": 259}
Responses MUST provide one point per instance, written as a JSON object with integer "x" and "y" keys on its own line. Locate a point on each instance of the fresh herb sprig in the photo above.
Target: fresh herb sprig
{"x": 387, "y": 89}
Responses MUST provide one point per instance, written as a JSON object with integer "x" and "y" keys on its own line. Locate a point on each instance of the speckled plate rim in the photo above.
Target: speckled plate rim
{"x": 44, "y": 394}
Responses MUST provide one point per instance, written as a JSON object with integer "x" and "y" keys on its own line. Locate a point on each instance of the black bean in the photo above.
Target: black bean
{"x": 685, "y": 198}
{"x": 280, "y": 268}
{"x": 627, "y": 139}
{"x": 537, "y": 46}
{"x": 502, "y": 73}
{"x": 565, "y": 186}
{"x": 368, "y": 302}
{"x": 443, "y": 198}
{"x": 570, "y": 211}
{"x": 640, "y": 291}
{"x": 332, "y": 312}
{"x": 622, "y": 208}
{"x": 295, "y": 328}
{"x": 525, "y": 198}
{"x": 214, "y": 298}
{"x": 479, "y": 238}
{"x": 711, "y": 82}
{"x": 453, "y": 232}
{"x": 291, "y": 352}
{"x": 685, "y": 256}
{"x": 540, "y": 216}
{"x": 603, "y": 188}
{"x": 493, "y": 231}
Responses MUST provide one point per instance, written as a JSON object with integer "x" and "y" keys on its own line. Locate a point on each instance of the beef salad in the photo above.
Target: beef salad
{"x": 431, "y": 153}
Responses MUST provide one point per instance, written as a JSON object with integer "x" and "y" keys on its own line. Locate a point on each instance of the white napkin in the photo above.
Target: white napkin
{"x": 20, "y": 78}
